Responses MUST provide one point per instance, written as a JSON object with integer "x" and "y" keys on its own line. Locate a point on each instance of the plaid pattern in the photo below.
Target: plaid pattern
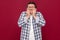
{"x": 25, "y": 24}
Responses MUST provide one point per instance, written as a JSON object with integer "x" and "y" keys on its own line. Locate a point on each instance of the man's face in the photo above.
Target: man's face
{"x": 31, "y": 7}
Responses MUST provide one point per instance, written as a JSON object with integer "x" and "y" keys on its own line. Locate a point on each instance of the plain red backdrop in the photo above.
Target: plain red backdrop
{"x": 10, "y": 11}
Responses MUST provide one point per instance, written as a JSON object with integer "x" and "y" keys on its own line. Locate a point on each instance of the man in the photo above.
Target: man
{"x": 31, "y": 19}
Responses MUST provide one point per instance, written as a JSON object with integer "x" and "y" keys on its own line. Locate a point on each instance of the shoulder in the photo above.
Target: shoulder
{"x": 38, "y": 13}
{"x": 23, "y": 12}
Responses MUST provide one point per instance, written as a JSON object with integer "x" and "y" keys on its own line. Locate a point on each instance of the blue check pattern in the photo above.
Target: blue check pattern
{"x": 25, "y": 24}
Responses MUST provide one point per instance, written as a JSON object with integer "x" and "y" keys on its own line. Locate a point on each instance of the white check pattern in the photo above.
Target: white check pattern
{"x": 25, "y": 24}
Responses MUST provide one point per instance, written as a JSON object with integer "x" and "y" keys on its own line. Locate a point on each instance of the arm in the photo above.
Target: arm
{"x": 22, "y": 20}
{"x": 40, "y": 20}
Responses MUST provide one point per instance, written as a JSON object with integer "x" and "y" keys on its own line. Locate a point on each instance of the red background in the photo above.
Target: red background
{"x": 10, "y": 11}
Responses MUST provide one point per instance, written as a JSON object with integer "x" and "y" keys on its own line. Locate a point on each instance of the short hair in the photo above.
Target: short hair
{"x": 32, "y": 3}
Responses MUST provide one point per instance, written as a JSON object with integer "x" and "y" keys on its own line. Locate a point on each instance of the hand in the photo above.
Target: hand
{"x": 34, "y": 13}
{"x": 28, "y": 14}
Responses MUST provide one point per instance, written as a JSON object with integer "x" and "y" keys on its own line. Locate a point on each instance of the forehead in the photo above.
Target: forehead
{"x": 31, "y": 5}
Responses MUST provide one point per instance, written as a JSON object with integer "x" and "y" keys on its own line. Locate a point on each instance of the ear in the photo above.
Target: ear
{"x": 26, "y": 9}
{"x": 36, "y": 9}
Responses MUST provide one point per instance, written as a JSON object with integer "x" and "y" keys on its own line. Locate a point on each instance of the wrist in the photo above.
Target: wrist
{"x": 34, "y": 17}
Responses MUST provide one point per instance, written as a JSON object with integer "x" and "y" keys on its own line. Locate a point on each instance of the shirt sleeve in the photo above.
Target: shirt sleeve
{"x": 25, "y": 19}
{"x": 40, "y": 20}
{"x": 22, "y": 20}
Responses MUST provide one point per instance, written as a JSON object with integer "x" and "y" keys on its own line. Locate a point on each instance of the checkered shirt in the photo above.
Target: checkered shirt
{"x": 25, "y": 24}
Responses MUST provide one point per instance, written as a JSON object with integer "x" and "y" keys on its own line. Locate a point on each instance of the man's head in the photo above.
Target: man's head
{"x": 31, "y": 6}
